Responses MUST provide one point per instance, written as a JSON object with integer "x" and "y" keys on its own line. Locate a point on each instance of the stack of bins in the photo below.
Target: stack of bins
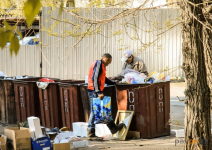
{"x": 71, "y": 102}
{"x": 151, "y": 103}
{"x": 50, "y": 106}
{"x": 108, "y": 91}
{"x": 26, "y": 98}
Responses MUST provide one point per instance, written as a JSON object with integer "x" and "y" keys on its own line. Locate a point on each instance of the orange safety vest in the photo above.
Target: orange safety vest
{"x": 97, "y": 75}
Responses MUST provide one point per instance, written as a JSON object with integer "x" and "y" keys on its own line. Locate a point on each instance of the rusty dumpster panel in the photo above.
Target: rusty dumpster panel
{"x": 26, "y": 98}
{"x": 7, "y": 99}
{"x": 10, "y": 113}
{"x": 108, "y": 91}
{"x": 151, "y": 104}
{"x": 2, "y": 101}
{"x": 50, "y": 106}
{"x": 85, "y": 102}
{"x": 71, "y": 103}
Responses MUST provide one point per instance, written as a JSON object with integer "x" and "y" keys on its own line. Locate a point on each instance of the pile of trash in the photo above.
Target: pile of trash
{"x": 3, "y": 76}
{"x": 134, "y": 77}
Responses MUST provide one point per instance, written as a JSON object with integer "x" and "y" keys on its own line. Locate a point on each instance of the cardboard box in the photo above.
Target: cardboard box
{"x": 41, "y": 144}
{"x": 19, "y": 138}
{"x": 34, "y": 125}
{"x": 61, "y": 146}
{"x": 3, "y": 142}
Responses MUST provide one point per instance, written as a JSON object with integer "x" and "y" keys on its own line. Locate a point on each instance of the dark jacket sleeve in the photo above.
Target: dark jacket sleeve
{"x": 109, "y": 82}
{"x": 97, "y": 70}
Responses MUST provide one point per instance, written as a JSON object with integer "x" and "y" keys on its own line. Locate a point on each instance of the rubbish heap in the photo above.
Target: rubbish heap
{"x": 131, "y": 76}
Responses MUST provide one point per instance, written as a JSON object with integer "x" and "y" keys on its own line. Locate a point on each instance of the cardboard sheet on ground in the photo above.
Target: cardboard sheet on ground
{"x": 126, "y": 117}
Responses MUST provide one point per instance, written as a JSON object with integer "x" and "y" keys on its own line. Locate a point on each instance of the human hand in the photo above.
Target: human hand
{"x": 117, "y": 82}
{"x": 101, "y": 96}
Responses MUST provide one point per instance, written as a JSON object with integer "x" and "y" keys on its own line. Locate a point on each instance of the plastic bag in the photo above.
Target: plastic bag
{"x": 128, "y": 70}
{"x": 1, "y": 73}
{"x": 102, "y": 110}
{"x": 134, "y": 78}
{"x": 86, "y": 79}
{"x": 46, "y": 80}
{"x": 155, "y": 77}
{"x": 167, "y": 78}
{"x": 159, "y": 78}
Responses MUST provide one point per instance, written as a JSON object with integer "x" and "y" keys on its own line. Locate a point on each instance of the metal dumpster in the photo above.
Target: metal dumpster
{"x": 71, "y": 102}
{"x": 7, "y": 100}
{"x": 108, "y": 91}
{"x": 2, "y": 102}
{"x": 50, "y": 106}
{"x": 9, "y": 115}
{"x": 26, "y": 98}
{"x": 151, "y": 103}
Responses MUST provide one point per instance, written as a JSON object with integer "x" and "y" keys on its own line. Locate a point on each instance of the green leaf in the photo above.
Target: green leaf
{"x": 1, "y": 29}
{"x": 61, "y": 8}
{"x": 31, "y": 9}
{"x": 4, "y": 38}
{"x": 14, "y": 45}
{"x": 19, "y": 33}
{"x": 8, "y": 27}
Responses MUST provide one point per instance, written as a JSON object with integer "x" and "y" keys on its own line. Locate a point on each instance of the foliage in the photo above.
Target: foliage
{"x": 6, "y": 34}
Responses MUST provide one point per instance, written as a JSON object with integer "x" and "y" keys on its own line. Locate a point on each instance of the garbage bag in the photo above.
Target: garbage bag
{"x": 128, "y": 70}
{"x": 134, "y": 78}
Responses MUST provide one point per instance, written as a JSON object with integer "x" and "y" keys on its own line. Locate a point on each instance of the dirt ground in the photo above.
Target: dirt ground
{"x": 161, "y": 143}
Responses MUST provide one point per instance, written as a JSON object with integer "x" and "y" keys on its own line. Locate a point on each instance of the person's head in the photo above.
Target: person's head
{"x": 127, "y": 57}
{"x": 106, "y": 59}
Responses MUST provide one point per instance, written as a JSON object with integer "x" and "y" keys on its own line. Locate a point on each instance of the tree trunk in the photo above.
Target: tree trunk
{"x": 207, "y": 40}
{"x": 197, "y": 109}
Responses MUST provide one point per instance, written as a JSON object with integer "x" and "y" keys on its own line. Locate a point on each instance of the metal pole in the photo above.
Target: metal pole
{"x": 40, "y": 42}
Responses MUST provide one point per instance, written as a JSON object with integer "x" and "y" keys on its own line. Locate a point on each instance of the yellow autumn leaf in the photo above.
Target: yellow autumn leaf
{"x": 31, "y": 9}
{"x": 8, "y": 27}
{"x": 14, "y": 45}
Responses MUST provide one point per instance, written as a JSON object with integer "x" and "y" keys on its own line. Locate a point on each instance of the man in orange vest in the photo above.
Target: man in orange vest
{"x": 96, "y": 82}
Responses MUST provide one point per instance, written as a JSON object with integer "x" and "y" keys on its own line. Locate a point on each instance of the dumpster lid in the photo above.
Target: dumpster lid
{"x": 105, "y": 86}
{"x": 70, "y": 84}
{"x": 31, "y": 80}
{"x": 124, "y": 84}
{"x": 15, "y": 78}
